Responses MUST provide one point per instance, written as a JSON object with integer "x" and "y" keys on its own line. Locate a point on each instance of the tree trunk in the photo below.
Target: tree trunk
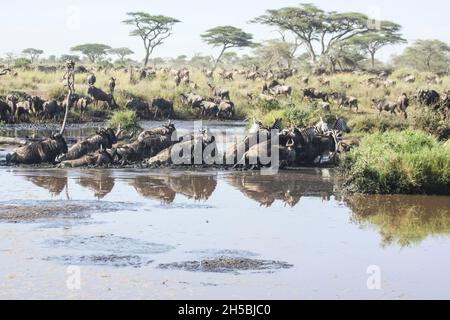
{"x": 372, "y": 57}
{"x": 147, "y": 57}
{"x": 218, "y": 58}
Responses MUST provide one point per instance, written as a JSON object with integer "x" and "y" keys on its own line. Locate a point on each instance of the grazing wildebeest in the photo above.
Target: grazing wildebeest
{"x": 39, "y": 152}
{"x": 312, "y": 93}
{"x": 163, "y": 107}
{"x": 281, "y": 90}
{"x": 324, "y": 82}
{"x": 208, "y": 73}
{"x": 226, "y": 75}
{"x": 99, "y": 95}
{"x": 104, "y": 138}
{"x": 382, "y": 105}
{"x": 218, "y": 92}
{"x": 409, "y": 79}
{"x": 285, "y": 74}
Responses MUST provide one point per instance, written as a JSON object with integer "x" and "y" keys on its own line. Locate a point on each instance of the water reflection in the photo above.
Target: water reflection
{"x": 101, "y": 182}
{"x": 165, "y": 188}
{"x": 54, "y": 182}
{"x": 289, "y": 187}
{"x": 403, "y": 220}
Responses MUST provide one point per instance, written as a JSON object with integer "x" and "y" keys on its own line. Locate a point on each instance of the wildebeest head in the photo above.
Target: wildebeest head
{"x": 341, "y": 125}
{"x": 109, "y": 135}
{"x": 60, "y": 143}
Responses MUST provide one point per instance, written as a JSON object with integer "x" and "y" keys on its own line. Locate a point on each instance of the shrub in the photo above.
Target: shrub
{"x": 433, "y": 123}
{"x": 408, "y": 162}
{"x": 126, "y": 119}
{"x": 373, "y": 124}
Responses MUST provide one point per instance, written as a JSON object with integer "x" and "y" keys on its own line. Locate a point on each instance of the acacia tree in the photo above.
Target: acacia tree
{"x": 152, "y": 29}
{"x": 227, "y": 37}
{"x": 318, "y": 30}
{"x": 93, "y": 51}
{"x": 121, "y": 53}
{"x": 425, "y": 55}
{"x": 32, "y": 53}
{"x": 372, "y": 42}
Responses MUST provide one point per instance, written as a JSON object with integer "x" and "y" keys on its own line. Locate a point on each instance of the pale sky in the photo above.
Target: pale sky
{"x": 54, "y": 27}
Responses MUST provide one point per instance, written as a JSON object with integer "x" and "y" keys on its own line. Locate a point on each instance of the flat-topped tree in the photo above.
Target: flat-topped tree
{"x": 227, "y": 37}
{"x": 318, "y": 30}
{"x": 373, "y": 41}
{"x": 152, "y": 29}
{"x": 32, "y": 53}
{"x": 121, "y": 53}
{"x": 93, "y": 51}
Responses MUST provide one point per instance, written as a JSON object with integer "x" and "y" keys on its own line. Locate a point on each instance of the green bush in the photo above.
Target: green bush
{"x": 433, "y": 123}
{"x": 408, "y": 162}
{"x": 126, "y": 119}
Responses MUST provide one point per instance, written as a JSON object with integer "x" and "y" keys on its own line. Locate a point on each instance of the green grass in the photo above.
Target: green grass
{"x": 408, "y": 162}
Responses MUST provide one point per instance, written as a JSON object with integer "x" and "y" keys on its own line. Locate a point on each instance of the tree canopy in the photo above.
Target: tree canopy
{"x": 33, "y": 53}
{"x": 227, "y": 37}
{"x": 152, "y": 29}
{"x": 93, "y": 51}
{"x": 317, "y": 30}
{"x": 373, "y": 41}
{"x": 425, "y": 55}
{"x": 121, "y": 53}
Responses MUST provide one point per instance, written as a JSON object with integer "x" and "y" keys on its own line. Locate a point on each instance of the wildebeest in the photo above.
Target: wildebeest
{"x": 324, "y": 82}
{"x": 91, "y": 79}
{"x": 312, "y": 93}
{"x": 99, "y": 158}
{"x": 39, "y": 152}
{"x": 346, "y": 101}
{"x": 52, "y": 110}
{"x": 148, "y": 144}
{"x": 403, "y": 104}
{"x": 218, "y": 92}
{"x": 141, "y": 107}
{"x": 189, "y": 150}
{"x": 82, "y": 104}
{"x": 103, "y": 139}
{"x": 208, "y": 73}
{"x": 383, "y": 105}
{"x": 99, "y": 95}
{"x": 209, "y": 109}
{"x": 285, "y": 74}
{"x": 193, "y": 100}
{"x": 429, "y": 98}
{"x": 226, "y": 109}
{"x": 5, "y": 112}
{"x": 163, "y": 107}
{"x": 226, "y": 75}
{"x": 409, "y": 79}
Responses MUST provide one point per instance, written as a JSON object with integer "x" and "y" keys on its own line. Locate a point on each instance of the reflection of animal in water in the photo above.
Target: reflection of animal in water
{"x": 197, "y": 187}
{"x": 55, "y": 184}
{"x": 154, "y": 188}
{"x": 100, "y": 182}
{"x": 165, "y": 188}
{"x": 284, "y": 186}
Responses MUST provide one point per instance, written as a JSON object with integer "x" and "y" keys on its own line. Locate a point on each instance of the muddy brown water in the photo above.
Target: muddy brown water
{"x": 209, "y": 234}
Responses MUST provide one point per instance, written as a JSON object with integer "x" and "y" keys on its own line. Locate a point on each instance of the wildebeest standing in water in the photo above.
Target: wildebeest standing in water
{"x": 39, "y": 152}
{"x": 163, "y": 107}
{"x": 104, "y": 138}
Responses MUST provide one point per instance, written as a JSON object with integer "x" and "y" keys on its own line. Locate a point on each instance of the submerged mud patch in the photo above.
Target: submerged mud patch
{"x": 112, "y": 260}
{"x": 110, "y": 244}
{"x": 223, "y": 253}
{"x": 227, "y": 264}
{"x": 30, "y": 211}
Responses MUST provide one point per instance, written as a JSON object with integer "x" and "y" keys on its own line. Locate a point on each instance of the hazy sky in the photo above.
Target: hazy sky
{"x": 54, "y": 27}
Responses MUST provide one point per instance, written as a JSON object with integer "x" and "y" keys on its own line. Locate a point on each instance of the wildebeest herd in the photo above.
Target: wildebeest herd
{"x": 161, "y": 147}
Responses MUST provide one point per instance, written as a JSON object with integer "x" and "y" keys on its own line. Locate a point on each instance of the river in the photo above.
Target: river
{"x": 211, "y": 234}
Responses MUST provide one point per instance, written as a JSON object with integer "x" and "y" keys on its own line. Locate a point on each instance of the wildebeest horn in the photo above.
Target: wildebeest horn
{"x": 290, "y": 143}
{"x": 119, "y": 130}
